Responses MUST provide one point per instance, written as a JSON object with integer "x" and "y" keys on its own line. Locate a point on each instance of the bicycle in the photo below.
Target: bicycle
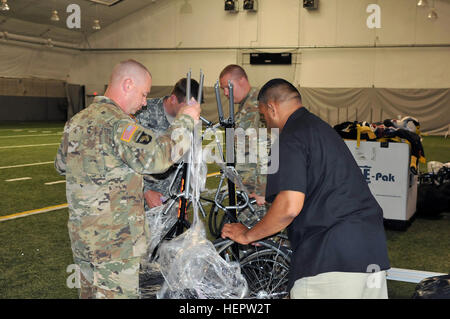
{"x": 264, "y": 265}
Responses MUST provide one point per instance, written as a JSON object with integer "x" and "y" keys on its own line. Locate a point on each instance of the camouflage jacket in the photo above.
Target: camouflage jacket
{"x": 247, "y": 116}
{"x": 103, "y": 154}
{"x": 153, "y": 117}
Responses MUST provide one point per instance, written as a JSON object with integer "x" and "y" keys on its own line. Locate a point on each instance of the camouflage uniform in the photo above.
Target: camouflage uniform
{"x": 103, "y": 154}
{"x": 248, "y": 116}
{"x": 153, "y": 117}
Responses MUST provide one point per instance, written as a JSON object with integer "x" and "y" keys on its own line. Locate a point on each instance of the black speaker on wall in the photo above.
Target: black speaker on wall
{"x": 310, "y": 4}
{"x": 270, "y": 58}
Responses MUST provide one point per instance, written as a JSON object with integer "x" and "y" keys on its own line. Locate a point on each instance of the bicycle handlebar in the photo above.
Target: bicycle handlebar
{"x": 219, "y": 102}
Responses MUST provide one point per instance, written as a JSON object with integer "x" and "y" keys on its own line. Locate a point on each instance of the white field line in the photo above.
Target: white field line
{"x": 34, "y": 145}
{"x": 17, "y": 179}
{"x": 25, "y": 165}
{"x": 31, "y": 135}
{"x": 57, "y": 182}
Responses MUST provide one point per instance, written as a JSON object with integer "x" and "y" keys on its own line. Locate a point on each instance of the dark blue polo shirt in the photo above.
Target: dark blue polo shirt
{"x": 340, "y": 227}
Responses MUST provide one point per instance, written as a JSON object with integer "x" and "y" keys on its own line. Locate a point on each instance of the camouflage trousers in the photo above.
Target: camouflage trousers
{"x": 117, "y": 279}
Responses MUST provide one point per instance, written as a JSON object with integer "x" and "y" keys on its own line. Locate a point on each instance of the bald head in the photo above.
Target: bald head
{"x": 129, "y": 85}
{"x": 128, "y": 69}
{"x": 234, "y": 70}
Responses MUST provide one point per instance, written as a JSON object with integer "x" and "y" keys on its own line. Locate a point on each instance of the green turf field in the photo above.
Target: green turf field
{"x": 35, "y": 250}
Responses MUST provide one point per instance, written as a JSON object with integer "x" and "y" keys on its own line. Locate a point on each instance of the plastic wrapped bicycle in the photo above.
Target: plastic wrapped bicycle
{"x": 264, "y": 265}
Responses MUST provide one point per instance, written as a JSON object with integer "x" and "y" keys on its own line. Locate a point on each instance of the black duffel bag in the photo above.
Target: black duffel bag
{"x": 433, "y": 193}
{"x": 437, "y": 287}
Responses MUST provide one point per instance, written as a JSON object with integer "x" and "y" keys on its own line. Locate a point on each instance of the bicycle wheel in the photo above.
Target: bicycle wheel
{"x": 217, "y": 217}
{"x": 265, "y": 267}
{"x": 216, "y": 222}
{"x": 266, "y": 272}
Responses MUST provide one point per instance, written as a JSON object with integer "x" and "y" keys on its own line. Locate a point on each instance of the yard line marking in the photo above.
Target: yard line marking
{"x": 17, "y": 179}
{"x": 33, "y": 212}
{"x": 19, "y": 146}
{"x": 24, "y": 165}
{"x": 57, "y": 182}
{"x": 23, "y": 129}
{"x": 31, "y": 135}
{"x": 213, "y": 174}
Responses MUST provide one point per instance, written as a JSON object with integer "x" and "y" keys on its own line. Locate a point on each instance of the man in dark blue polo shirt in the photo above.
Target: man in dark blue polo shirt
{"x": 335, "y": 225}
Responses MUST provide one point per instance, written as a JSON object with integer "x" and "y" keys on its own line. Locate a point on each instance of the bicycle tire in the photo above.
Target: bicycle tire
{"x": 265, "y": 267}
{"x": 215, "y": 224}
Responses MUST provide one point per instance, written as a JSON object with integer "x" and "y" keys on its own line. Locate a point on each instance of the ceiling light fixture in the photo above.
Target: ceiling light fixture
{"x": 54, "y": 16}
{"x": 5, "y": 6}
{"x": 422, "y": 3}
{"x": 432, "y": 15}
{"x": 96, "y": 25}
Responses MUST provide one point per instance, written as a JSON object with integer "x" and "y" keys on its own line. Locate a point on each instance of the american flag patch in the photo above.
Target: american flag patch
{"x": 128, "y": 132}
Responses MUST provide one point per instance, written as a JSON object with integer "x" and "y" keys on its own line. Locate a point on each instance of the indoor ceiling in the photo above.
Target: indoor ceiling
{"x": 32, "y": 17}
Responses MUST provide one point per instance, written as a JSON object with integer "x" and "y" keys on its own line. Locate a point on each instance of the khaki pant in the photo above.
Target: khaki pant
{"x": 341, "y": 285}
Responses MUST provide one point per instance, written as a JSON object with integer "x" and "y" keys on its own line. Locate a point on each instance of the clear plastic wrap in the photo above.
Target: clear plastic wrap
{"x": 160, "y": 219}
{"x": 231, "y": 173}
{"x": 196, "y": 271}
{"x": 190, "y": 264}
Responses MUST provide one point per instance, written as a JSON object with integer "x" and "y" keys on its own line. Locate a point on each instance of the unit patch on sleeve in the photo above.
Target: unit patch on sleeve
{"x": 143, "y": 138}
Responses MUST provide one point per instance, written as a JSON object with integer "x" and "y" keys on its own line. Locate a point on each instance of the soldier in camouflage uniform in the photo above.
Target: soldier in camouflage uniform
{"x": 157, "y": 115}
{"x": 103, "y": 154}
{"x": 248, "y": 117}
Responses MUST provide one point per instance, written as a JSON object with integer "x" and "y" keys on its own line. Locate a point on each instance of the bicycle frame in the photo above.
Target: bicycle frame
{"x": 184, "y": 196}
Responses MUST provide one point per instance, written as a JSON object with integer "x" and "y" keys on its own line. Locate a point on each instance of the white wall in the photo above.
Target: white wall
{"x": 32, "y": 61}
{"x": 278, "y": 24}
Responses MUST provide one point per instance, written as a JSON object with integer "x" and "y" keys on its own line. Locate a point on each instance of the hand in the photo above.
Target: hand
{"x": 153, "y": 198}
{"x": 260, "y": 200}
{"x": 236, "y": 232}
{"x": 192, "y": 109}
